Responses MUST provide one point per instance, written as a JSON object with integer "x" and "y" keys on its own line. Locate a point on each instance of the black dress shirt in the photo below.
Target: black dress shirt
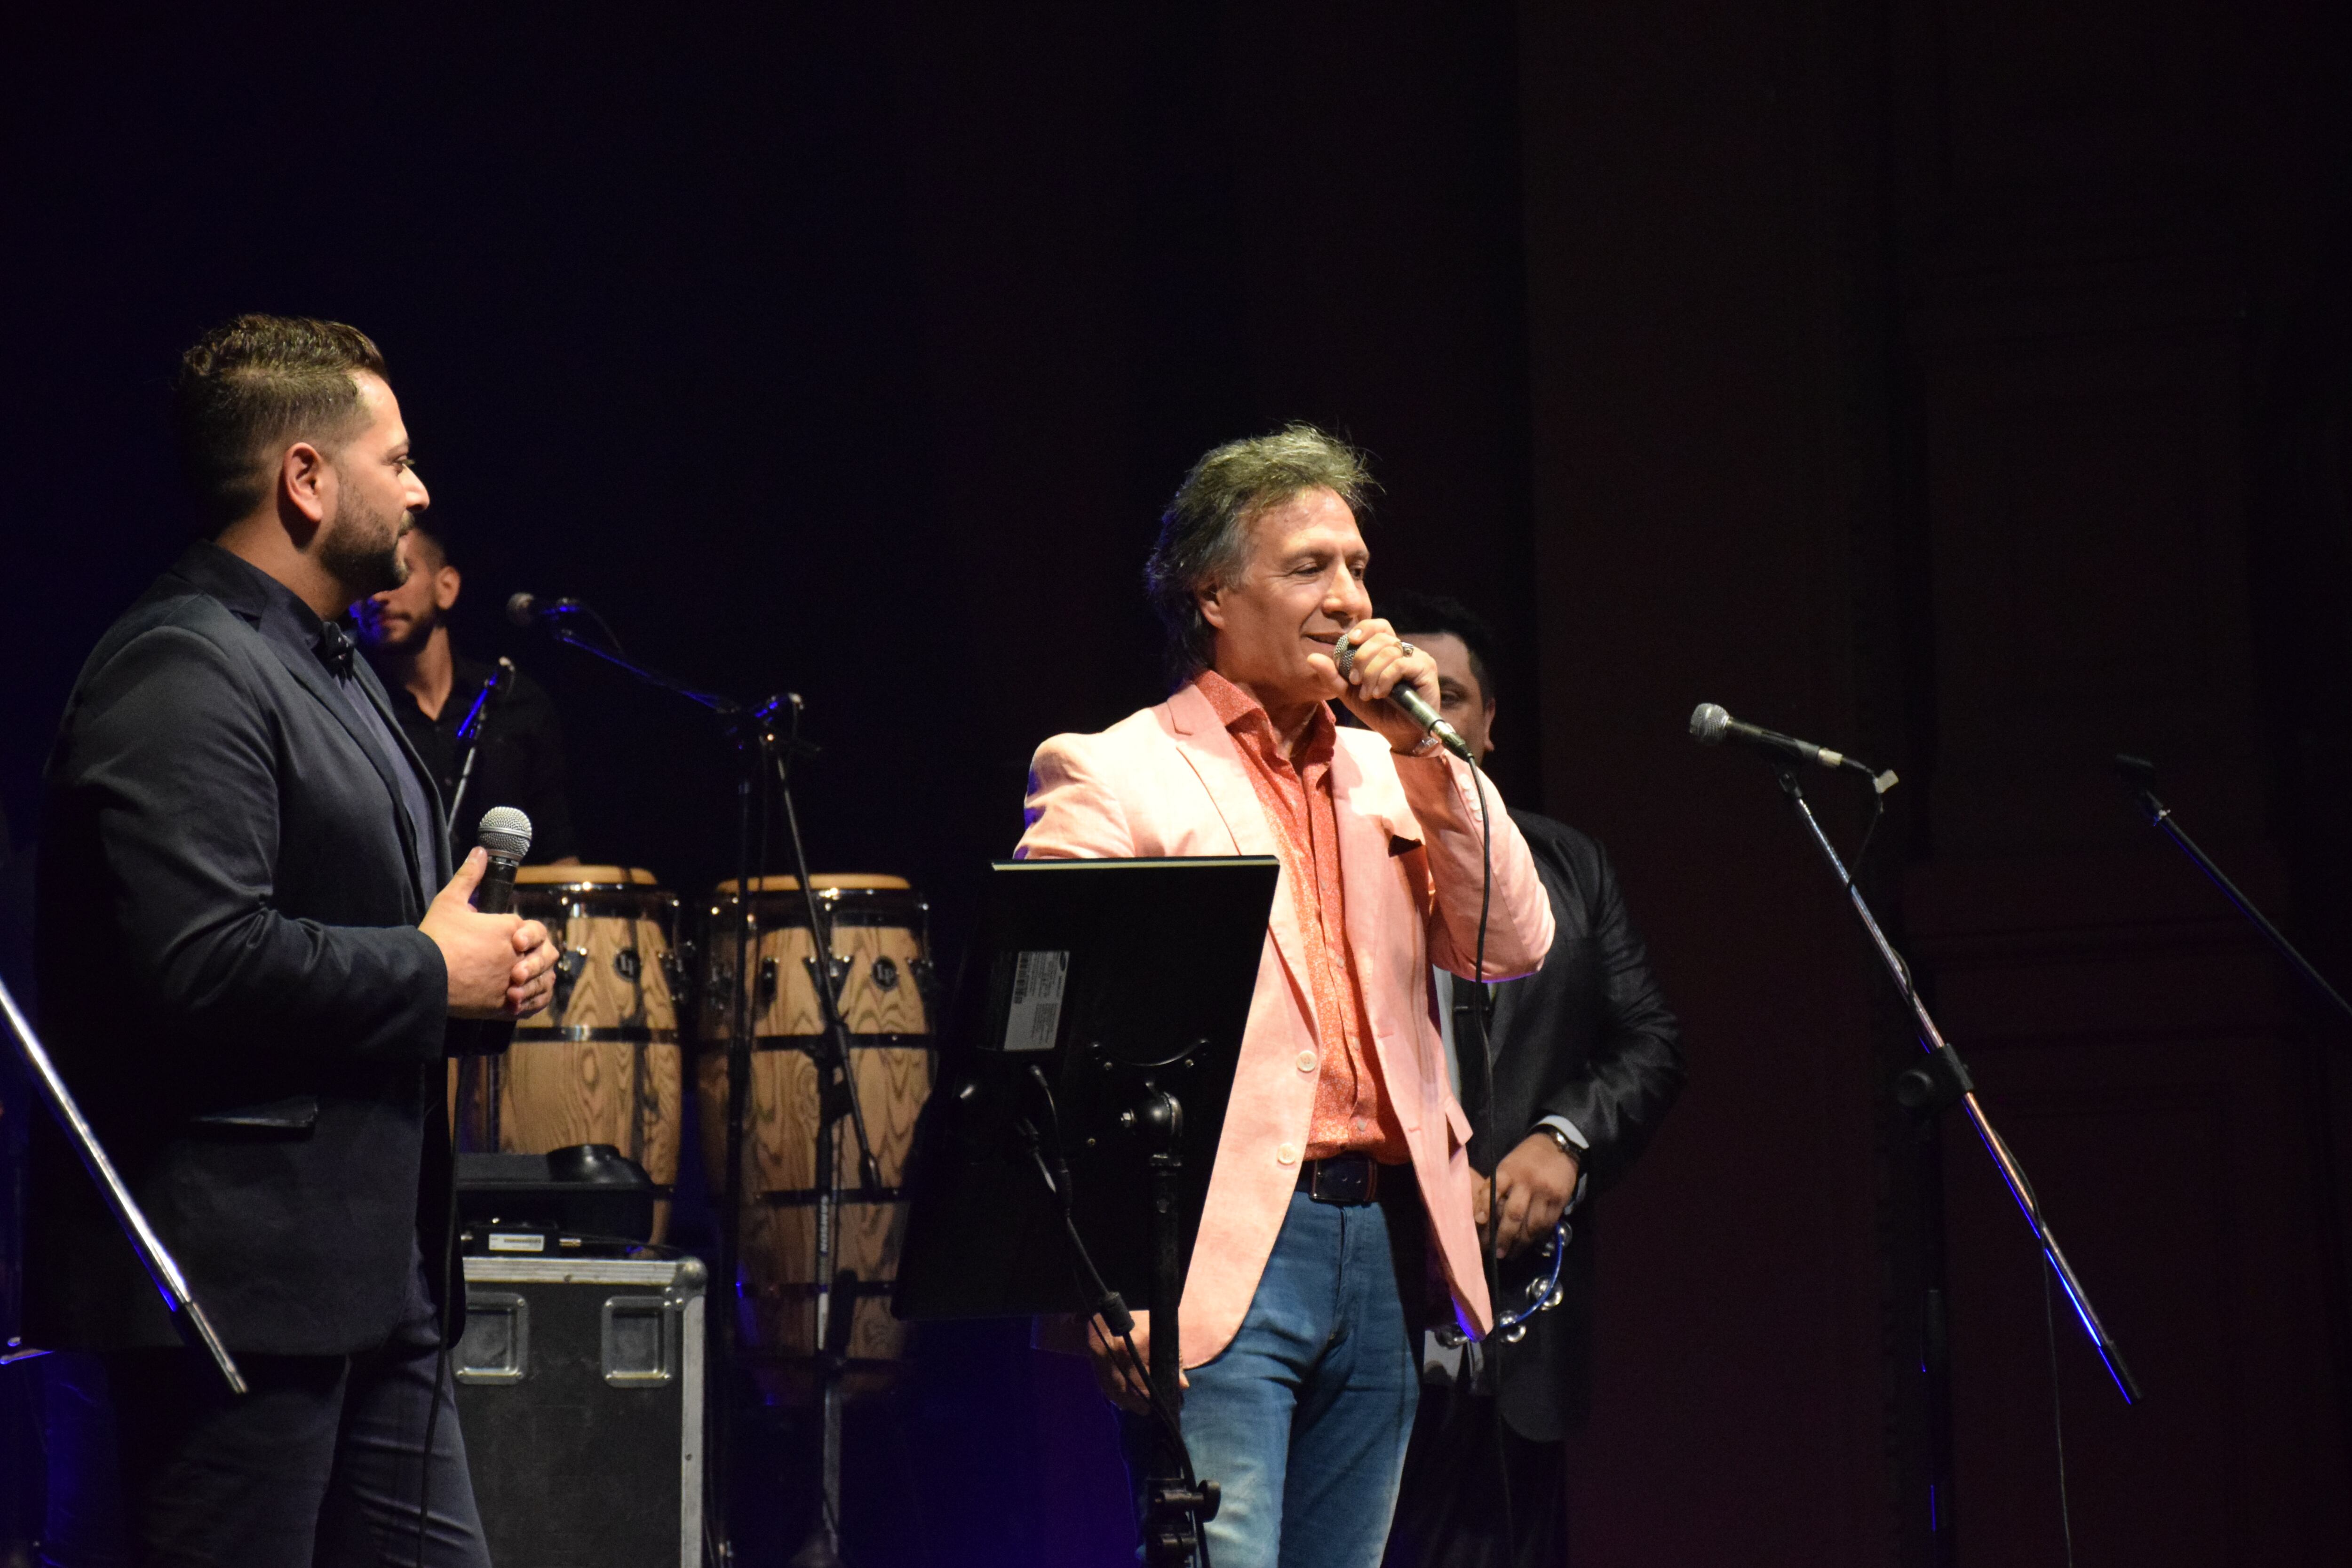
{"x": 518, "y": 760}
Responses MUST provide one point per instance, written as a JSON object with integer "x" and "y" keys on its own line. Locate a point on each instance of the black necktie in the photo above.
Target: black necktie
{"x": 335, "y": 647}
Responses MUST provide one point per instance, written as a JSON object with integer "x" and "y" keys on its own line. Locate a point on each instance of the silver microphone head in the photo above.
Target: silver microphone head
{"x": 506, "y": 833}
{"x": 1709, "y": 723}
{"x": 1344, "y": 655}
{"x": 521, "y": 608}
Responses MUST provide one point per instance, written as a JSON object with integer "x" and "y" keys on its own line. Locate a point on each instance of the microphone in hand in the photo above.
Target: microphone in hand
{"x": 505, "y": 836}
{"x": 1409, "y": 701}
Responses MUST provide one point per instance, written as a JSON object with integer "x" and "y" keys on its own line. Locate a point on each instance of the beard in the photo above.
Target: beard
{"x": 361, "y": 548}
{"x": 399, "y": 636}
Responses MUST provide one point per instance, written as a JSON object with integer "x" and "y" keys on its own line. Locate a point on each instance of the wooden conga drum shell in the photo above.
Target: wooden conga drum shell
{"x": 878, "y": 929}
{"x": 877, "y": 926}
{"x": 603, "y": 1064}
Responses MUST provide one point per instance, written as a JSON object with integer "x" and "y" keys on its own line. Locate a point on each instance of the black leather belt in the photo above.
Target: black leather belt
{"x": 1348, "y": 1180}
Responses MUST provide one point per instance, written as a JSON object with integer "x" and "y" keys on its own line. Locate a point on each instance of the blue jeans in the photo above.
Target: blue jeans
{"x": 1303, "y": 1419}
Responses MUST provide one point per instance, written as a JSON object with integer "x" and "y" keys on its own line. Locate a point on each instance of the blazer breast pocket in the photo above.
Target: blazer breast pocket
{"x": 293, "y": 1118}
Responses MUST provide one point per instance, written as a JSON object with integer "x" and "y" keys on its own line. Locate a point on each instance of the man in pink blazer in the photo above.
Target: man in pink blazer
{"x": 1341, "y": 1173}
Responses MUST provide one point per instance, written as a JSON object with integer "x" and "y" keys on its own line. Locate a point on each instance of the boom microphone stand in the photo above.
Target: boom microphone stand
{"x": 836, "y": 1097}
{"x": 187, "y": 1316}
{"x": 752, "y": 732}
{"x": 2139, "y": 775}
{"x": 1944, "y": 1064}
{"x": 1925, "y": 1090}
{"x": 473, "y": 729}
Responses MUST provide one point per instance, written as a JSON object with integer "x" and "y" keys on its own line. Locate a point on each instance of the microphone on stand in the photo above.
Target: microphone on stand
{"x": 1414, "y": 709}
{"x": 1711, "y": 726}
{"x": 506, "y": 834}
{"x": 530, "y": 610}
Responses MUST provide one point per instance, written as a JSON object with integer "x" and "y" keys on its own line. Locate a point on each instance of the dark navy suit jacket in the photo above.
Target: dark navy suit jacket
{"x": 1587, "y": 1036}
{"x": 232, "y": 981}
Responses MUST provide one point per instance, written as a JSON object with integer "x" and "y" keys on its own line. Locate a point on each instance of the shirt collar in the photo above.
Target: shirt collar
{"x": 272, "y": 607}
{"x": 1246, "y": 719}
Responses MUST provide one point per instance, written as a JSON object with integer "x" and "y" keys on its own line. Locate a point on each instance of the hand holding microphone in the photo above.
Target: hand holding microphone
{"x": 1376, "y": 665}
{"x": 499, "y": 965}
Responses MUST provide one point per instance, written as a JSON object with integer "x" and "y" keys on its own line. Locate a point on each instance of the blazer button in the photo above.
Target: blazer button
{"x": 1307, "y": 1061}
{"x": 1288, "y": 1154}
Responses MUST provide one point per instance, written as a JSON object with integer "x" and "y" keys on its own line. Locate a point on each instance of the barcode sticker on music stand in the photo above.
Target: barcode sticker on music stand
{"x": 1036, "y": 1011}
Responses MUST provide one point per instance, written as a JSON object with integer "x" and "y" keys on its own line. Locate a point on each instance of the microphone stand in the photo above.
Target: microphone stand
{"x": 1943, "y": 1080}
{"x": 837, "y": 1096}
{"x": 472, "y": 727}
{"x": 478, "y": 1081}
{"x": 2139, "y": 775}
{"x": 752, "y": 732}
{"x": 187, "y": 1316}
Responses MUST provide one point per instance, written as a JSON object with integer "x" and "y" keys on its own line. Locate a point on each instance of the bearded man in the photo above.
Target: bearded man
{"x": 249, "y": 946}
{"x": 487, "y": 733}
{"x": 1342, "y": 1182}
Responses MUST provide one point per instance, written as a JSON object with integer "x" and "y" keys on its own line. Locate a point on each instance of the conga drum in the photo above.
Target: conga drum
{"x": 601, "y": 1064}
{"x": 880, "y": 947}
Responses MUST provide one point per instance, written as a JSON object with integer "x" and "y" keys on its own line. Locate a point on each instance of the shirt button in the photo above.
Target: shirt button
{"x": 1288, "y": 1154}
{"x": 1307, "y": 1061}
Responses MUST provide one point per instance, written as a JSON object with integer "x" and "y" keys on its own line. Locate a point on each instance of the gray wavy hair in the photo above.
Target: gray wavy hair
{"x": 1205, "y": 534}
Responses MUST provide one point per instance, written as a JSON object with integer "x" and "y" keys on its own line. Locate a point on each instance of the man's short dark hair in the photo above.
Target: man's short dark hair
{"x": 248, "y": 388}
{"x": 1204, "y": 534}
{"x": 1420, "y": 615}
{"x": 435, "y": 538}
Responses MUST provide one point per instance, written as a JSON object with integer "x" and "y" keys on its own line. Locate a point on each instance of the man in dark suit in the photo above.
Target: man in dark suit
{"x": 1579, "y": 1063}
{"x": 249, "y": 945}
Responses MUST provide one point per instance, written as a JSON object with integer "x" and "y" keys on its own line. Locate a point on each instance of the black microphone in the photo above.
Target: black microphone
{"x": 1710, "y": 725}
{"x": 506, "y": 834}
{"x": 530, "y": 610}
{"x": 1407, "y": 698}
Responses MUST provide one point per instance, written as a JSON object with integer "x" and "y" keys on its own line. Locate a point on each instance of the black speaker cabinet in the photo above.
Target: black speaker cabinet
{"x": 580, "y": 1391}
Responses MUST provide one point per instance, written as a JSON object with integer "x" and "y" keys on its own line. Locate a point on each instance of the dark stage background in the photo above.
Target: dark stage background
{"x": 1970, "y": 385}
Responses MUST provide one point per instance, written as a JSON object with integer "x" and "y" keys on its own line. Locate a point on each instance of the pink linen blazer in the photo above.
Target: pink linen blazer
{"x": 1169, "y": 781}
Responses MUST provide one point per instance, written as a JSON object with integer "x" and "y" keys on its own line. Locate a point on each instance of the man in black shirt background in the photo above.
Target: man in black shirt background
{"x": 518, "y": 747}
{"x": 1582, "y": 1062}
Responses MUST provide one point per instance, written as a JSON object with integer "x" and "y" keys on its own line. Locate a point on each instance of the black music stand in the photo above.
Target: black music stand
{"x": 1082, "y": 1091}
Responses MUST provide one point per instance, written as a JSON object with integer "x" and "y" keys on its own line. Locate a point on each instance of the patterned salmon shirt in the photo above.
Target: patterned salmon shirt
{"x": 1352, "y": 1112}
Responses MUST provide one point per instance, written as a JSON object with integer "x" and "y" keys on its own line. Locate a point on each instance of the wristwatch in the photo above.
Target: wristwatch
{"x": 1566, "y": 1145}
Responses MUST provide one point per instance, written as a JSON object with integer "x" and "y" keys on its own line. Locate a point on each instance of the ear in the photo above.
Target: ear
{"x": 306, "y": 483}
{"x": 1490, "y": 723}
{"x": 445, "y": 584}
{"x": 1213, "y": 609}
